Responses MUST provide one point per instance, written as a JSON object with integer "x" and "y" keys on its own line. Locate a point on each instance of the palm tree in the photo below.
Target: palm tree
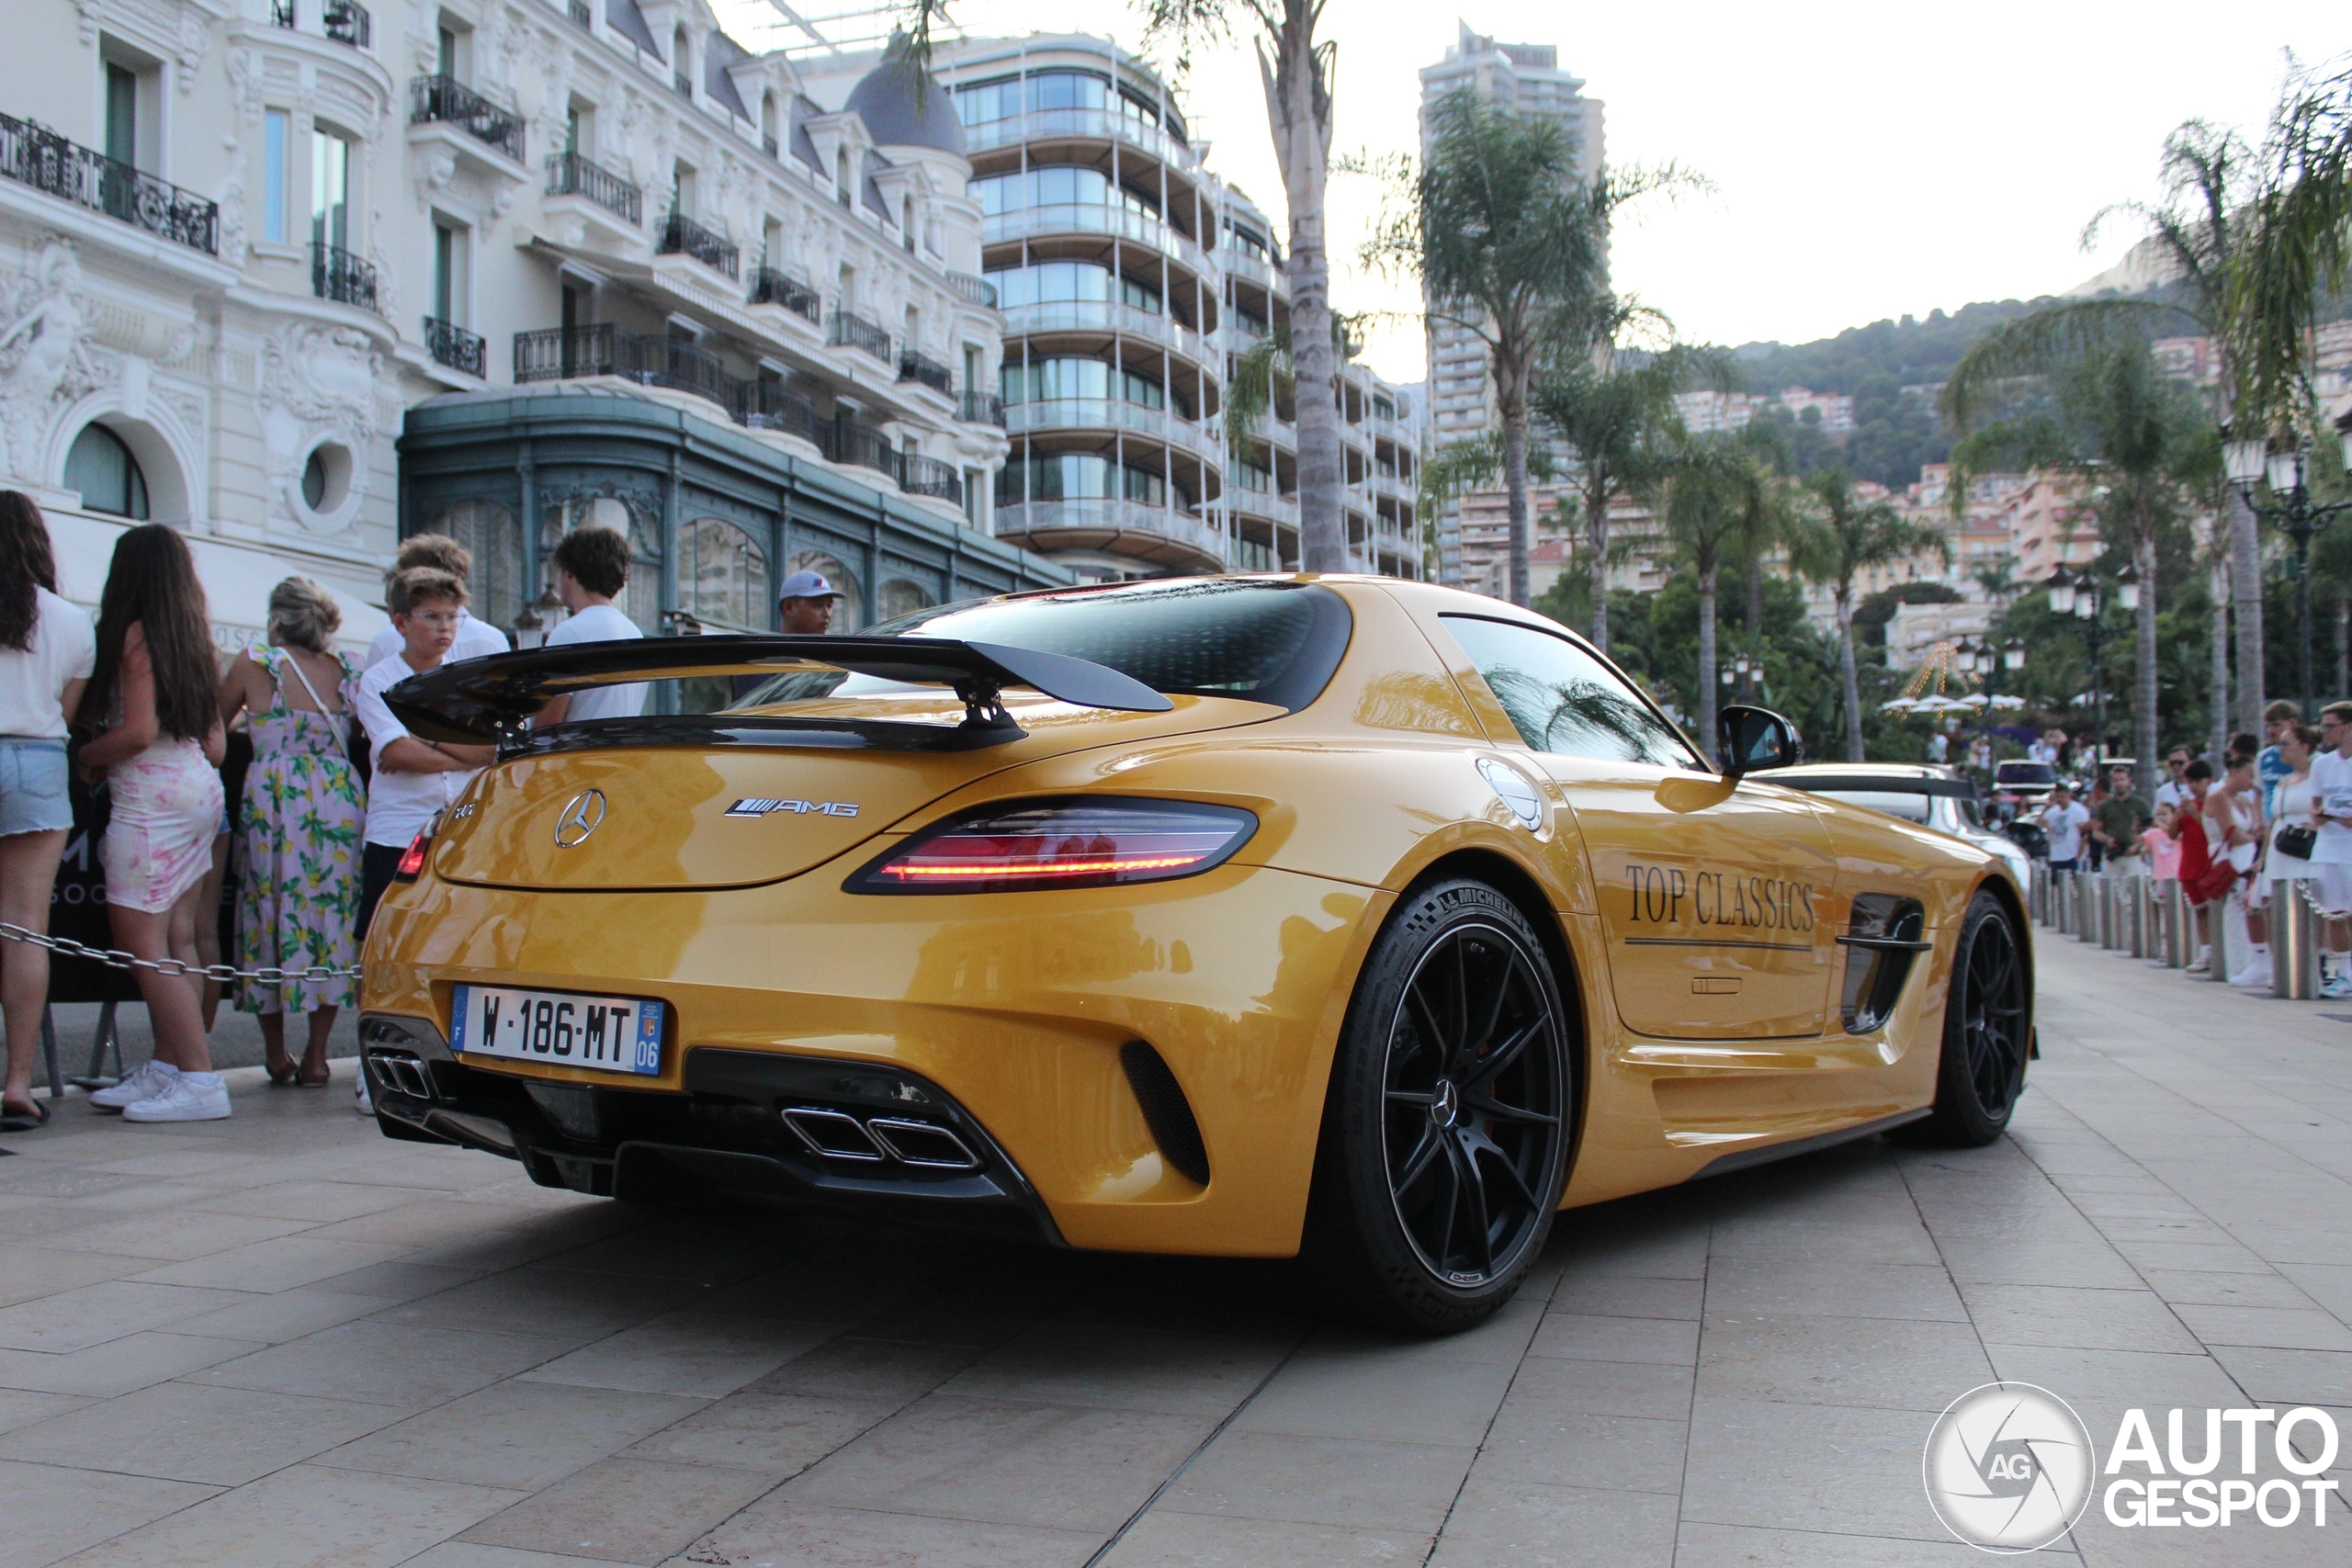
{"x": 1843, "y": 538}
{"x": 2096, "y": 408}
{"x": 1509, "y": 243}
{"x": 1295, "y": 71}
{"x": 1618, "y": 414}
{"x": 1709, "y": 496}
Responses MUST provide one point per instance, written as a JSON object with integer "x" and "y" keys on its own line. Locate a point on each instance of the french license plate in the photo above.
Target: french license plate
{"x": 613, "y": 1034}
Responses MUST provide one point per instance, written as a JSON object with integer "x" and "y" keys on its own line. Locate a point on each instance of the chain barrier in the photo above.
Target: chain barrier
{"x": 227, "y": 974}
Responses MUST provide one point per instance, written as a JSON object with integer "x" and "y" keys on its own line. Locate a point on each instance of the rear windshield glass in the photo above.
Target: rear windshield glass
{"x": 1267, "y": 642}
{"x": 2024, "y": 773}
{"x": 1910, "y": 807}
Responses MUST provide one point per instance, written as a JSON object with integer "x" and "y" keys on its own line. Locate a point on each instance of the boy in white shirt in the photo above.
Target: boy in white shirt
{"x": 591, "y": 569}
{"x": 2064, "y": 820}
{"x": 474, "y": 638}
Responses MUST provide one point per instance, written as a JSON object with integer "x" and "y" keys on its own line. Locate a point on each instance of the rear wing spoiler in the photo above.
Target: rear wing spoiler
{"x": 489, "y": 699}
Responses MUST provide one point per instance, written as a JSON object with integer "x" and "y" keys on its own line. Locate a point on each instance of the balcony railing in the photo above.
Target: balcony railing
{"x": 919, "y": 475}
{"x": 772, "y": 405}
{"x": 581, "y": 17}
{"x": 930, "y": 372}
{"x": 555, "y": 353}
{"x": 452, "y": 102}
{"x": 681, "y": 235}
{"x": 452, "y": 345}
{"x": 47, "y": 161}
{"x": 848, "y": 330}
{"x": 346, "y": 21}
{"x": 861, "y": 448}
{"x": 975, "y": 290}
{"x": 569, "y": 173}
{"x": 337, "y": 274}
{"x": 982, "y": 408}
{"x": 770, "y": 287}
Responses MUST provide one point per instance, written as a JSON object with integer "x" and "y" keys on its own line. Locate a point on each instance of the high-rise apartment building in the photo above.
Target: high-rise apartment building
{"x": 1527, "y": 78}
{"x": 1132, "y": 279}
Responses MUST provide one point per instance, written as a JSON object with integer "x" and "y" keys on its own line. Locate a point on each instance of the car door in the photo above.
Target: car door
{"x": 1716, "y": 896}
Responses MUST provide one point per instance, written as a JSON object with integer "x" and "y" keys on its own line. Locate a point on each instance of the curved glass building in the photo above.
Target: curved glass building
{"x": 1132, "y": 281}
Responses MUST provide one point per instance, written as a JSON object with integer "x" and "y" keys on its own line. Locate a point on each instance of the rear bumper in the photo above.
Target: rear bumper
{"x": 1008, "y": 1013}
{"x": 796, "y": 1131}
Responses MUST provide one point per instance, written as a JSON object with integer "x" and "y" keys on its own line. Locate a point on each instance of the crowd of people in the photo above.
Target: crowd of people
{"x": 2278, "y": 810}
{"x": 140, "y": 706}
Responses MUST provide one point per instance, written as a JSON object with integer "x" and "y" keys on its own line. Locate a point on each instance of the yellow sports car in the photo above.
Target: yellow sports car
{"x": 1348, "y": 917}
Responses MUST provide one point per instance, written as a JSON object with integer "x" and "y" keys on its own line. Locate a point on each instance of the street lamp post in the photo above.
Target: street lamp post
{"x": 2250, "y": 462}
{"x": 1985, "y": 661}
{"x": 2080, "y": 596}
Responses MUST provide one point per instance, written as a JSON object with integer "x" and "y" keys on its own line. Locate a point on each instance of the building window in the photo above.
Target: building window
{"x": 907, "y": 222}
{"x": 450, "y": 273}
{"x": 330, "y": 190}
{"x": 276, "y": 143}
{"x": 722, "y": 575}
{"x": 122, "y": 114}
{"x": 495, "y": 540}
{"x": 840, "y": 176}
{"x": 102, "y": 468}
{"x": 1082, "y": 476}
{"x": 1054, "y": 283}
{"x": 1058, "y": 185}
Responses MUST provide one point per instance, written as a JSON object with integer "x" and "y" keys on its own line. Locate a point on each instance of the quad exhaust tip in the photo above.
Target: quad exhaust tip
{"x": 832, "y": 1133}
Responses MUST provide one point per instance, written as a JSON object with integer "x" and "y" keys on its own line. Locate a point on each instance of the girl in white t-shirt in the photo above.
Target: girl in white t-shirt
{"x": 46, "y": 649}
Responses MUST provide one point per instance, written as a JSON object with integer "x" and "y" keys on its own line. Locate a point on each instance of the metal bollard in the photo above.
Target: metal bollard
{"x": 2086, "y": 922}
{"x": 2294, "y": 942}
{"x": 2110, "y": 914}
{"x": 2179, "y": 939}
{"x": 2062, "y": 893}
{"x": 2217, "y": 937}
{"x": 2038, "y": 891}
{"x": 2133, "y": 900}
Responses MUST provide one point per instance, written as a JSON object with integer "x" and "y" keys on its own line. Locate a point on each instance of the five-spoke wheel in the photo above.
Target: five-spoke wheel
{"x": 1447, "y": 1129}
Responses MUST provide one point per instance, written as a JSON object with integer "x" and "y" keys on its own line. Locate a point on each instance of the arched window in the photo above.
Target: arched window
{"x": 489, "y": 531}
{"x": 102, "y": 468}
{"x": 900, "y": 597}
{"x": 641, "y": 601}
{"x": 852, "y": 614}
{"x": 723, "y": 575}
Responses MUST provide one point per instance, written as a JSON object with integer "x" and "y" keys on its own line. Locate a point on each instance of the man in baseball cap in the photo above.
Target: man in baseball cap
{"x": 805, "y": 605}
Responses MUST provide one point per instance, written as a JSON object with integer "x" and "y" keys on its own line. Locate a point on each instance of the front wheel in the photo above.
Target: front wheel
{"x": 1446, "y": 1130}
{"x": 1987, "y": 1027}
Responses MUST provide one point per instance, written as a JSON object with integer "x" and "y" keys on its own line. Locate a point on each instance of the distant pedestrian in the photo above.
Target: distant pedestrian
{"x": 2160, "y": 846}
{"x": 2287, "y": 845}
{"x": 153, "y": 691}
{"x": 474, "y": 637}
{"x": 2116, "y": 823}
{"x": 2175, "y": 788}
{"x": 46, "y": 651}
{"x": 2234, "y": 819}
{"x": 2331, "y": 787}
{"x": 805, "y": 605}
{"x": 2062, "y": 819}
{"x": 2270, "y": 764}
{"x": 2204, "y": 876}
{"x": 590, "y": 571}
{"x": 300, "y": 824}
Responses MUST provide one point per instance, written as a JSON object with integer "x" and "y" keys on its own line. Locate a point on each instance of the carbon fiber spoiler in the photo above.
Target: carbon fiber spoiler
{"x": 487, "y": 699}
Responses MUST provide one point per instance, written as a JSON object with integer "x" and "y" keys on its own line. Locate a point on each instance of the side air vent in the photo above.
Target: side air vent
{"x": 1881, "y": 943}
{"x": 1165, "y": 1109}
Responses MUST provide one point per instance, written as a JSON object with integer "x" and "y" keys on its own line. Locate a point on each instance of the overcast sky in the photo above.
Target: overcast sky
{"x": 1869, "y": 160}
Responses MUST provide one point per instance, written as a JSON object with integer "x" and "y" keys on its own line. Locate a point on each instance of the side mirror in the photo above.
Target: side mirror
{"x": 1750, "y": 739}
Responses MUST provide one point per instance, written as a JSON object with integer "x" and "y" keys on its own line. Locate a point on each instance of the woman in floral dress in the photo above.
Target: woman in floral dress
{"x": 298, "y": 825}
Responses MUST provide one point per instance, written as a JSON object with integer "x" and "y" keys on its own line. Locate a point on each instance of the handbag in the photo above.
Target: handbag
{"x": 2218, "y": 877}
{"x": 2299, "y": 841}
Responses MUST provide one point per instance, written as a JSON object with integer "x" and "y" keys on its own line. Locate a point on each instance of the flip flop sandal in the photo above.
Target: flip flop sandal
{"x": 25, "y": 1121}
{"x": 326, "y": 1076}
{"x": 282, "y": 1079}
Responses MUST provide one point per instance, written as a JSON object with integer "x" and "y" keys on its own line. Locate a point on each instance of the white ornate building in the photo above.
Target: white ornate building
{"x": 261, "y": 261}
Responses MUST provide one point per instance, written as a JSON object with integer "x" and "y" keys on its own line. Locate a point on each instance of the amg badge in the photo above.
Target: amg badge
{"x": 759, "y": 805}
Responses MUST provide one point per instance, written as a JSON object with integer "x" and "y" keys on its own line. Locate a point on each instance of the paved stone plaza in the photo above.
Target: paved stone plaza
{"x": 283, "y": 1341}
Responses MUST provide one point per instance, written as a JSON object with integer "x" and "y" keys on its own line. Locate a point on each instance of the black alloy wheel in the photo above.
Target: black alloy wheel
{"x": 1447, "y": 1131}
{"x": 1988, "y": 1019}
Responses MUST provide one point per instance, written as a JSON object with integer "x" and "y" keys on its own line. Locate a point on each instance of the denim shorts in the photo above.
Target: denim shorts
{"x": 32, "y": 786}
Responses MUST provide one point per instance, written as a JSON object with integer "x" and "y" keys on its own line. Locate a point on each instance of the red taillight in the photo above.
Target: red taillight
{"x": 413, "y": 858}
{"x": 1071, "y": 843}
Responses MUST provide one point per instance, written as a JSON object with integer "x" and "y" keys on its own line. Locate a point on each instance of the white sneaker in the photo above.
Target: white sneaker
{"x": 2256, "y": 976}
{"x": 190, "y": 1097}
{"x": 152, "y": 1078}
{"x": 360, "y": 1100}
{"x": 2202, "y": 964}
{"x": 2335, "y": 987}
